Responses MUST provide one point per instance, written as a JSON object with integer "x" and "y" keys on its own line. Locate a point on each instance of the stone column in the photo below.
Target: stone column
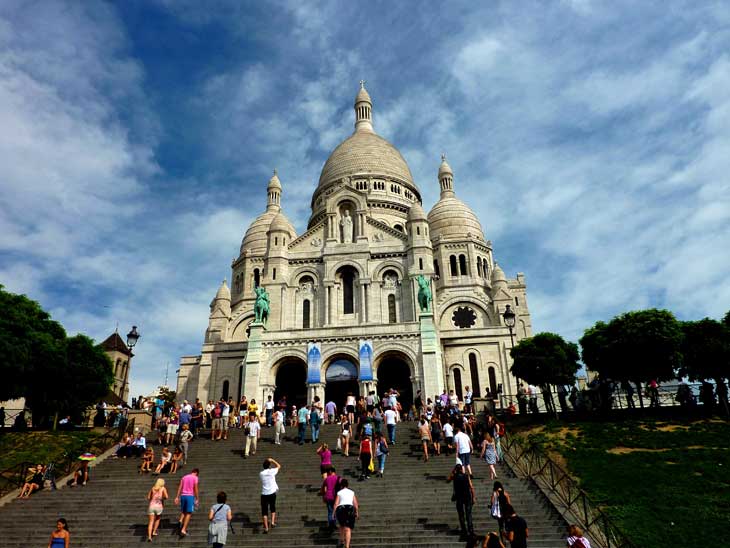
{"x": 254, "y": 360}
{"x": 363, "y": 310}
{"x": 361, "y": 235}
{"x": 315, "y": 389}
{"x": 431, "y": 359}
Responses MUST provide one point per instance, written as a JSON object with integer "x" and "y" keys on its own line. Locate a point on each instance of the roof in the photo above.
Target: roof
{"x": 115, "y": 343}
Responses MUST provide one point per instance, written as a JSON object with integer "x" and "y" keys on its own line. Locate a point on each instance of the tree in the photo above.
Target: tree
{"x": 726, "y": 319}
{"x": 635, "y": 347}
{"x": 545, "y": 359}
{"x": 55, "y": 374}
{"x": 706, "y": 354}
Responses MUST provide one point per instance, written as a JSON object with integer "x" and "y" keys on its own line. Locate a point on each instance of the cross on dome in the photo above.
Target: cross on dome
{"x": 362, "y": 84}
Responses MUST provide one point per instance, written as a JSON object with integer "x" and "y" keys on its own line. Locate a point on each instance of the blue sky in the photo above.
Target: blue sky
{"x": 136, "y": 140}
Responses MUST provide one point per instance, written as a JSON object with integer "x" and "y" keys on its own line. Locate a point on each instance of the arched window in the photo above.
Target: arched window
{"x": 305, "y": 314}
{"x": 452, "y": 262}
{"x": 479, "y": 266}
{"x": 256, "y": 277}
{"x": 420, "y": 264}
{"x": 457, "y": 383}
{"x": 276, "y": 240}
{"x": 462, "y": 265}
{"x": 517, "y": 301}
{"x": 485, "y": 268}
{"x": 436, "y": 268}
{"x": 391, "y": 309}
{"x": 493, "y": 380}
{"x": 474, "y": 370}
{"x": 117, "y": 367}
{"x": 418, "y": 230}
{"x": 273, "y": 274}
{"x": 348, "y": 291}
{"x": 399, "y": 228}
{"x": 226, "y": 390}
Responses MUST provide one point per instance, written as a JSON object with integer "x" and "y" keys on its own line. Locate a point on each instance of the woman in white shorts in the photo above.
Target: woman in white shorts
{"x": 156, "y": 496}
{"x": 345, "y": 432}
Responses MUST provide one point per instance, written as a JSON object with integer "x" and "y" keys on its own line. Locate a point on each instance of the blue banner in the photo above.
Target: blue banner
{"x": 366, "y": 360}
{"x": 314, "y": 362}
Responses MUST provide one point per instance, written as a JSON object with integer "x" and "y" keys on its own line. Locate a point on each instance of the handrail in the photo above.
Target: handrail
{"x": 13, "y": 478}
{"x": 528, "y": 461}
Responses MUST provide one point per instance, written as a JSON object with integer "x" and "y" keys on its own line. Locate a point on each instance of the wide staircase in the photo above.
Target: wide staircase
{"x": 410, "y": 506}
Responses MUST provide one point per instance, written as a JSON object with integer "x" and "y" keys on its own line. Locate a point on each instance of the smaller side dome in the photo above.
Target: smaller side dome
{"x": 416, "y": 213}
{"x": 224, "y": 292}
{"x": 498, "y": 275}
{"x": 274, "y": 182}
{"x": 281, "y": 224}
{"x": 445, "y": 168}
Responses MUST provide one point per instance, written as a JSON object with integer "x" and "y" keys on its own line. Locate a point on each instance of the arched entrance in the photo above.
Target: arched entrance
{"x": 291, "y": 381}
{"x": 341, "y": 379}
{"x": 394, "y": 372}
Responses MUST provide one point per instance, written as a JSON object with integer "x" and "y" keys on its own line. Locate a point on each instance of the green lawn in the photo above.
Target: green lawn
{"x": 42, "y": 447}
{"x": 664, "y": 484}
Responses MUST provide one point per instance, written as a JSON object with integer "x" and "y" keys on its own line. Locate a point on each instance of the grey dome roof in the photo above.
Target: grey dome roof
{"x": 255, "y": 239}
{"x": 362, "y": 153}
{"x": 450, "y": 218}
{"x": 416, "y": 213}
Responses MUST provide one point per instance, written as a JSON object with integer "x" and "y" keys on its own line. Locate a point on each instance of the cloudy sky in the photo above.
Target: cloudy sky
{"x": 136, "y": 140}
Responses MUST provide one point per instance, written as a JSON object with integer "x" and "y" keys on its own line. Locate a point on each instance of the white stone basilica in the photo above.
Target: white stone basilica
{"x": 344, "y": 314}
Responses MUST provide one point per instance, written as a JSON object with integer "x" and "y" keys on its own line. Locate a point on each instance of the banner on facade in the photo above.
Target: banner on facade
{"x": 366, "y": 360}
{"x": 314, "y": 362}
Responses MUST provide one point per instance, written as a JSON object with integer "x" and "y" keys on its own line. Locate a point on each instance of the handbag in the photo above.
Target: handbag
{"x": 371, "y": 466}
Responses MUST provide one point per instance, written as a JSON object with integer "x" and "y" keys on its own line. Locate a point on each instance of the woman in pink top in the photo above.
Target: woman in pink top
{"x": 325, "y": 456}
{"x": 329, "y": 494}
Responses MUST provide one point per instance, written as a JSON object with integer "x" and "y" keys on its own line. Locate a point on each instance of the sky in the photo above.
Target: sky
{"x": 591, "y": 138}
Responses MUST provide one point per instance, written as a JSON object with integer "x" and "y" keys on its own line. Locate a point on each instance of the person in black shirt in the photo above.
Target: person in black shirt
{"x": 464, "y": 499}
{"x": 515, "y": 528}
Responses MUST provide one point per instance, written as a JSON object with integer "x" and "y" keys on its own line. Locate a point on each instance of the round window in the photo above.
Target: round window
{"x": 464, "y": 317}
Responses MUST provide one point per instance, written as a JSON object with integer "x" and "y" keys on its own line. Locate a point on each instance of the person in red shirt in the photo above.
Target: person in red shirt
{"x": 366, "y": 456}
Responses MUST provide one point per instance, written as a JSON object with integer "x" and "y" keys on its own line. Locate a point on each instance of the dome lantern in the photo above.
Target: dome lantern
{"x": 274, "y": 193}
{"x": 363, "y": 110}
{"x": 446, "y": 178}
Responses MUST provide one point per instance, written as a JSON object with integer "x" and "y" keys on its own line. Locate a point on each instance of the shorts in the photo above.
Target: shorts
{"x": 436, "y": 436}
{"x": 216, "y": 424}
{"x": 346, "y": 516}
{"x": 323, "y": 468}
{"x": 172, "y": 429}
{"x": 425, "y": 439}
{"x": 187, "y": 504}
{"x": 465, "y": 458}
{"x": 154, "y": 511}
{"x": 224, "y": 423}
{"x": 350, "y": 408}
{"x": 268, "y": 503}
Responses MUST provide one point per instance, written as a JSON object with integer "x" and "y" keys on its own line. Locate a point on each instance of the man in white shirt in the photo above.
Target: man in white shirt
{"x": 269, "y": 407}
{"x": 391, "y": 418}
{"x": 453, "y": 400}
{"x": 139, "y": 445}
{"x": 187, "y": 407}
{"x": 279, "y": 429}
{"x": 464, "y": 448}
{"x": 252, "y": 435}
{"x": 449, "y": 437}
{"x": 225, "y": 413}
{"x": 268, "y": 492}
{"x": 467, "y": 400}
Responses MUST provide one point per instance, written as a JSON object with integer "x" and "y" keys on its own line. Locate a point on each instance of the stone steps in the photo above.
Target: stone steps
{"x": 411, "y": 506}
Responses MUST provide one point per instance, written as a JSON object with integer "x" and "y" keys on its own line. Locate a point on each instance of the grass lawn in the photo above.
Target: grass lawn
{"x": 664, "y": 484}
{"x": 41, "y": 447}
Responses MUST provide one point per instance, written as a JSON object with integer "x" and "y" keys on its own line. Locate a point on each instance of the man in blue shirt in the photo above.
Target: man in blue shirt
{"x": 302, "y": 419}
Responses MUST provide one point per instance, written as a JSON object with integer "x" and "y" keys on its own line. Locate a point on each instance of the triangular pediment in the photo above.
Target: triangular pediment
{"x": 501, "y": 295}
{"x": 380, "y": 232}
{"x": 311, "y": 239}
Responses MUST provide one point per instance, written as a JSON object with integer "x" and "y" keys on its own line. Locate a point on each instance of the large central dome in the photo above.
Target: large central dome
{"x": 365, "y": 152}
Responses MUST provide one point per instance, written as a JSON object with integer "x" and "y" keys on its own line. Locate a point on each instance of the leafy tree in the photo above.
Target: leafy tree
{"x": 635, "y": 347}
{"x": 706, "y": 354}
{"x": 726, "y": 319}
{"x": 167, "y": 396}
{"x": 55, "y": 374}
{"x": 545, "y": 359}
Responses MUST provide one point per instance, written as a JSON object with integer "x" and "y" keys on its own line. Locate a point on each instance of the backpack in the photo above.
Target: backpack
{"x": 368, "y": 429}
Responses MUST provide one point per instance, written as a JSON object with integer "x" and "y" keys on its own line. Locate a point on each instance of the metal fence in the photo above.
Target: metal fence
{"x": 563, "y": 492}
{"x": 15, "y": 476}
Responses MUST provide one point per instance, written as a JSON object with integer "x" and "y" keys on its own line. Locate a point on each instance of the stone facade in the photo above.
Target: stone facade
{"x": 121, "y": 358}
{"x": 347, "y": 286}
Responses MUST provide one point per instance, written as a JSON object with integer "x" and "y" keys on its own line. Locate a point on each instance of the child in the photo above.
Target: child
{"x": 177, "y": 458}
{"x": 148, "y": 459}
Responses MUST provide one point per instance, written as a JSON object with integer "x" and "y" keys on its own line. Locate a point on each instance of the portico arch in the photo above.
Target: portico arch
{"x": 395, "y": 369}
{"x": 290, "y": 380}
{"x": 340, "y": 374}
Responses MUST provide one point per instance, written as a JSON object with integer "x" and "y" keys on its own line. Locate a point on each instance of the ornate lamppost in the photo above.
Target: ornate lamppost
{"x": 509, "y": 320}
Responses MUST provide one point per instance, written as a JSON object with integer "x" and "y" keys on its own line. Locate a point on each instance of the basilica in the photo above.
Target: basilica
{"x": 342, "y": 311}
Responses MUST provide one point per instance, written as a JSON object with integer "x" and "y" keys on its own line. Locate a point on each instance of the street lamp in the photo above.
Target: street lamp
{"x": 133, "y": 337}
{"x": 509, "y": 321}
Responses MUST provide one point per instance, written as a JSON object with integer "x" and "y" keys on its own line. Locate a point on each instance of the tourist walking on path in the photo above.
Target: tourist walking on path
{"x": 424, "y": 432}
{"x": 448, "y": 436}
{"x": 187, "y": 497}
{"x": 315, "y": 419}
{"x": 302, "y": 419}
{"x": 268, "y": 492}
{"x": 269, "y": 411}
{"x": 391, "y": 418}
{"x": 331, "y": 412}
{"x": 157, "y": 496}
{"x": 60, "y": 537}
{"x": 489, "y": 454}
{"x": 325, "y": 459}
{"x": 366, "y": 457}
{"x": 220, "y": 517}
{"x": 381, "y": 452}
{"x": 436, "y": 434}
{"x": 464, "y": 498}
{"x": 345, "y": 432}
{"x": 347, "y": 511}
{"x": 253, "y": 432}
{"x": 185, "y": 437}
{"x": 279, "y": 429}
{"x": 350, "y": 404}
{"x": 498, "y": 503}
{"x": 329, "y": 494}
{"x": 464, "y": 448}
{"x": 515, "y": 528}
{"x": 576, "y": 539}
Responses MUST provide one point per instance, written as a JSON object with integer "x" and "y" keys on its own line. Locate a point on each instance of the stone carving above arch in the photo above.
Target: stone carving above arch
{"x": 268, "y": 374}
{"x": 388, "y": 265}
{"x": 447, "y": 309}
{"x": 238, "y": 332}
{"x": 346, "y": 262}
